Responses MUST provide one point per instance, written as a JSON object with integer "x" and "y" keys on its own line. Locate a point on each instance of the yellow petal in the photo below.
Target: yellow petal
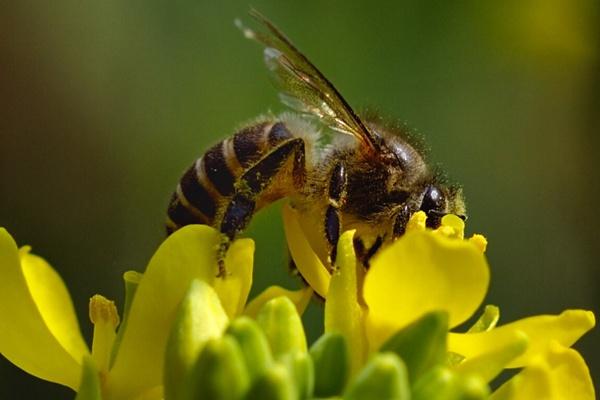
{"x": 560, "y": 373}
{"x": 532, "y": 383}
{"x": 541, "y": 330}
{"x": 480, "y": 241}
{"x": 38, "y": 328}
{"x": 344, "y": 309}
{"x": 487, "y": 366}
{"x": 423, "y": 272}
{"x": 307, "y": 261}
{"x": 300, "y": 298}
{"x": 233, "y": 288}
{"x": 187, "y": 254}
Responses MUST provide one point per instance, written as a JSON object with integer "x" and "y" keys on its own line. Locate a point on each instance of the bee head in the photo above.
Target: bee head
{"x": 438, "y": 200}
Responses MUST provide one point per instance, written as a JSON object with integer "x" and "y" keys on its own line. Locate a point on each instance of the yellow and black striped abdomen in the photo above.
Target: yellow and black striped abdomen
{"x": 209, "y": 184}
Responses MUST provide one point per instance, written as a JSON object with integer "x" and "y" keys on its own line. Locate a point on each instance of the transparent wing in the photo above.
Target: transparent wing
{"x": 302, "y": 86}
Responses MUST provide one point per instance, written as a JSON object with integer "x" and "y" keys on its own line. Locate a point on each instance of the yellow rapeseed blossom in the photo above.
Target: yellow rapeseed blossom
{"x": 186, "y": 332}
{"x": 40, "y": 334}
{"x": 39, "y": 331}
{"x": 438, "y": 270}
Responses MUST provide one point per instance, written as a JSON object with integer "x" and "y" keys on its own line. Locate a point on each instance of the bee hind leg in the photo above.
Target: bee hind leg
{"x": 251, "y": 184}
{"x": 337, "y": 198}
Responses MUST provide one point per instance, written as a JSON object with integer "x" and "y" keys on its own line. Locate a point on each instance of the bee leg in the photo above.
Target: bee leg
{"x": 221, "y": 252}
{"x": 401, "y": 221}
{"x": 293, "y": 268}
{"x": 296, "y": 272}
{"x": 337, "y": 197}
{"x": 359, "y": 248}
{"x": 251, "y": 184}
{"x": 237, "y": 216}
{"x": 372, "y": 250}
{"x": 363, "y": 254}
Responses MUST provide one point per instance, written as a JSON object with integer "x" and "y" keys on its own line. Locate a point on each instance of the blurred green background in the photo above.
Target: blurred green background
{"x": 104, "y": 104}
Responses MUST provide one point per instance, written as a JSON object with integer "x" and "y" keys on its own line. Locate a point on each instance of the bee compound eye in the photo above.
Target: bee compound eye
{"x": 433, "y": 200}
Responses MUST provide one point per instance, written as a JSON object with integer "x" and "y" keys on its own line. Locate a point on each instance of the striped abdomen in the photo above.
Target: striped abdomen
{"x": 208, "y": 188}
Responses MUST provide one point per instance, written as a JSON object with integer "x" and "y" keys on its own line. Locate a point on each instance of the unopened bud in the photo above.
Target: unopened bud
{"x": 302, "y": 373}
{"x": 274, "y": 384}
{"x": 282, "y": 326}
{"x": 199, "y": 318}
{"x": 384, "y": 377}
{"x": 441, "y": 383}
{"x": 253, "y": 343}
{"x": 219, "y": 373}
{"x": 422, "y": 344}
{"x": 330, "y": 357}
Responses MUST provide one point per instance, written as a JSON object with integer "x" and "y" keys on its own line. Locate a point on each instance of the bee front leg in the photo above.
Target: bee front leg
{"x": 337, "y": 198}
{"x": 251, "y": 184}
{"x": 401, "y": 221}
{"x": 364, "y": 254}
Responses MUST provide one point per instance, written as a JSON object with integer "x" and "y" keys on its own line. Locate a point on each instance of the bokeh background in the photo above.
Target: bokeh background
{"x": 103, "y": 105}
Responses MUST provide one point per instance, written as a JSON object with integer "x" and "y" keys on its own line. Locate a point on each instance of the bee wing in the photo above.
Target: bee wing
{"x": 303, "y": 87}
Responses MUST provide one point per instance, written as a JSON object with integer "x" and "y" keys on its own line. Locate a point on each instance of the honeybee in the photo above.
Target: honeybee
{"x": 363, "y": 174}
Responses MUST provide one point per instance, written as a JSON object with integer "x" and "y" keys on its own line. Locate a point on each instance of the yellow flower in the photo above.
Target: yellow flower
{"x": 40, "y": 334}
{"x": 559, "y": 373}
{"x": 438, "y": 270}
{"x": 186, "y": 255}
{"x": 38, "y": 329}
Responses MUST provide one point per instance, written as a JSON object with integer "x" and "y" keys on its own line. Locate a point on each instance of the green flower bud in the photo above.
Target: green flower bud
{"x": 282, "y": 325}
{"x": 436, "y": 384}
{"x": 253, "y": 344}
{"x": 302, "y": 373}
{"x": 472, "y": 388}
{"x": 384, "y": 377}
{"x": 219, "y": 373}
{"x": 422, "y": 344}
{"x": 441, "y": 383}
{"x": 200, "y": 317}
{"x": 274, "y": 384}
{"x": 330, "y": 357}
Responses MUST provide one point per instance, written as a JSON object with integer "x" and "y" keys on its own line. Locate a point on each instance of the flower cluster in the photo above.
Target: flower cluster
{"x": 187, "y": 333}
{"x": 438, "y": 271}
